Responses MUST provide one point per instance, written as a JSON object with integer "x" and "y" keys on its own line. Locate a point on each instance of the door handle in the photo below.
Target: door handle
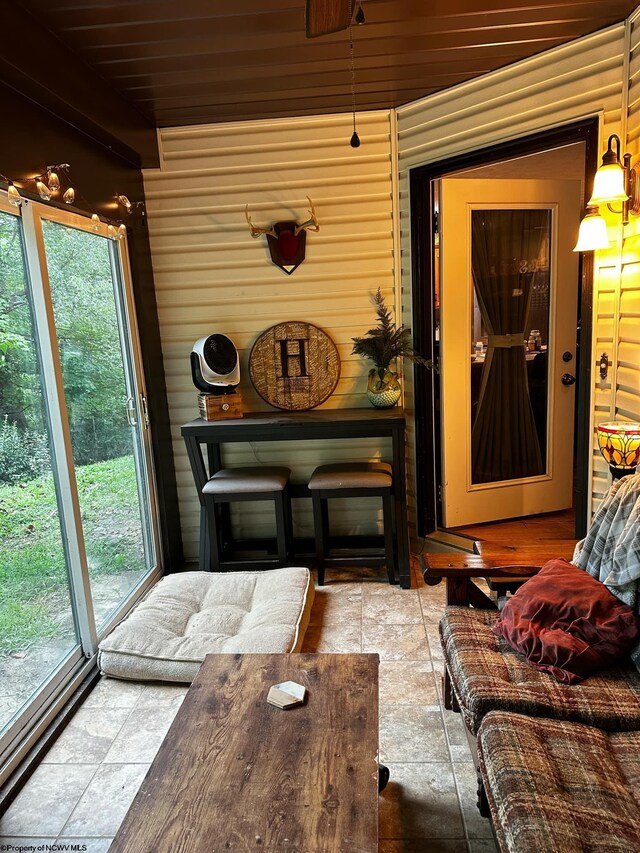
{"x": 568, "y": 379}
{"x": 145, "y": 410}
{"x": 131, "y": 411}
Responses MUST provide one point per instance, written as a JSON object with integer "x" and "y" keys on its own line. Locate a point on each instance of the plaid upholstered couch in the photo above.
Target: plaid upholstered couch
{"x": 558, "y": 787}
{"x": 486, "y": 674}
{"x": 559, "y": 765}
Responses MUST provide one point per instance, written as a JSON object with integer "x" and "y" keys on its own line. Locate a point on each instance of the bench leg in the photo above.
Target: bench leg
{"x": 204, "y": 552}
{"x": 320, "y": 524}
{"x": 289, "y": 522}
{"x": 211, "y": 512}
{"x": 450, "y": 700}
{"x": 281, "y": 528}
{"x": 483, "y": 803}
{"x": 383, "y": 777}
{"x": 389, "y": 537}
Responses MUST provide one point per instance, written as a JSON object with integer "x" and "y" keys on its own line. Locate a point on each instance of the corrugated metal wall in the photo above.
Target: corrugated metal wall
{"x": 617, "y": 286}
{"x": 212, "y": 276}
{"x": 628, "y": 377}
{"x": 626, "y": 403}
{"x": 582, "y": 78}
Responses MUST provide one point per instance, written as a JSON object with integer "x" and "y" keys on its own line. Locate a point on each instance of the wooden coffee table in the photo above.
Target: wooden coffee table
{"x": 235, "y": 773}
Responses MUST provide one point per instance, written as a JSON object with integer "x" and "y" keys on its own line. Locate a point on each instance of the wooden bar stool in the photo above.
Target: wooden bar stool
{"x": 352, "y": 480}
{"x": 249, "y": 484}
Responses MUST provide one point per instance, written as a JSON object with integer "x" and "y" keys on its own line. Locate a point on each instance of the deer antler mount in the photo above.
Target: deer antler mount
{"x": 286, "y": 240}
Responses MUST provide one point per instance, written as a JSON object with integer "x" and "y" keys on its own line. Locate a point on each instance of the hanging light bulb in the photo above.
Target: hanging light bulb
{"x": 122, "y": 230}
{"x": 354, "y": 142}
{"x": 609, "y": 182}
{"x": 69, "y": 195}
{"x": 593, "y": 232}
{"x": 360, "y": 18}
{"x": 124, "y": 201}
{"x": 43, "y": 190}
{"x": 53, "y": 181}
{"x": 13, "y": 196}
{"x": 112, "y": 231}
{"x": 95, "y": 222}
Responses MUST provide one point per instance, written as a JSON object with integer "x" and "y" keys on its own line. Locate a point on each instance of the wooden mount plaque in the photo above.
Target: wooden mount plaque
{"x": 294, "y": 366}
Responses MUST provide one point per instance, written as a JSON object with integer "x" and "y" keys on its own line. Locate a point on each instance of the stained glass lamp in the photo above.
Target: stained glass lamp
{"x": 619, "y": 443}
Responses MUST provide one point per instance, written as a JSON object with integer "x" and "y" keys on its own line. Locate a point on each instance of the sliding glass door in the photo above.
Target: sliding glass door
{"x": 38, "y": 629}
{"x": 103, "y": 422}
{"x": 78, "y": 538}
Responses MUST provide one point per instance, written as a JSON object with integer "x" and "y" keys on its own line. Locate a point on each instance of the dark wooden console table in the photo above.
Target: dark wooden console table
{"x": 302, "y": 426}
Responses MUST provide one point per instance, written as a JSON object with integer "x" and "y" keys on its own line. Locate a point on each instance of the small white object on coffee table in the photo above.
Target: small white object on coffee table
{"x": 287, "y": 694}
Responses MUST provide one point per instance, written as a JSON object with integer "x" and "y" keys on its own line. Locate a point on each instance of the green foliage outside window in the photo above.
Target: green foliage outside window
{"x": 91, "y": 359}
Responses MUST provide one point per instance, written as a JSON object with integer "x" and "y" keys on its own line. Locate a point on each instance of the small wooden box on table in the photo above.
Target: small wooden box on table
{"x": 215, "y": 407}
{"x": 235, "y": 773}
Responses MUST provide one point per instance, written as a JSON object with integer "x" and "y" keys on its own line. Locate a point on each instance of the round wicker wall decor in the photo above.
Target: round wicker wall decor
{"x": 294, "y": 366}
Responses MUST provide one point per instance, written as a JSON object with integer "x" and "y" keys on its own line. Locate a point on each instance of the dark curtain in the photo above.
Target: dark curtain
{"x": 505, "y": 247}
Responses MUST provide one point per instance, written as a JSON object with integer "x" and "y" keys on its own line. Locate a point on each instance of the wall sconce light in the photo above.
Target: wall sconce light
{"x": 616, "y": 181}
{"x": 593, "y": 232}
{"x": 619, "y": 443}
{"x": 610, "y": 184}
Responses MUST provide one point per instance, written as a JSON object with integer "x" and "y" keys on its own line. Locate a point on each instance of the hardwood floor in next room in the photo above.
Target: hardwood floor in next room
{"x": 520, "y": 535}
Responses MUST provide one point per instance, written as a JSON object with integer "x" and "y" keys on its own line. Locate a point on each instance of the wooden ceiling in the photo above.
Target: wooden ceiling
{"x": 193, "y": 61}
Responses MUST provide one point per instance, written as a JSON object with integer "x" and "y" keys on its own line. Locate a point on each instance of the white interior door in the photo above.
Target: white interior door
{"x": 507, "y": 269}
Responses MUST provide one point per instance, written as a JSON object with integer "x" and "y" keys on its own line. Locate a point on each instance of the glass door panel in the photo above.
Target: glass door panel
{"x": 506, "y": 331}
{"x": 38, "y": 629}
{"x": 100, "y": 394}
{"x": 510, "y": 251}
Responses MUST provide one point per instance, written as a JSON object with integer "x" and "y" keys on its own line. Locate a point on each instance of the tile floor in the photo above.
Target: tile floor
{"x": 84, "y": 786}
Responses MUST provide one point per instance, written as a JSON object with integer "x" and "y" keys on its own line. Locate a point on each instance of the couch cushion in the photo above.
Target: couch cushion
{"x": 352, "y": 475}
{"x": 191, "y": 614}
{"x": 487, "y": 674}
{"x": 558, "y": 787}
{"x": 243, "y": 480}
{"x": 567, "y": 623}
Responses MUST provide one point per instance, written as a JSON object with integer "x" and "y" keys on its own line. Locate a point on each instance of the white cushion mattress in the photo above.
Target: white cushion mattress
{"x": 192, "y": 614}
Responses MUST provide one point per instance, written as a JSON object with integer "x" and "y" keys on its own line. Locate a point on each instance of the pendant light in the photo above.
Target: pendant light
{"x": 53, "y": 180}
{"x": 43, "y": 190}
{"x": 13, "y": 196}
{"x": 355, "y": 139}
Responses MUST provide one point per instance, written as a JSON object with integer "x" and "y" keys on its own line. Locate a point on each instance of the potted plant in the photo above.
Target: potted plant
{"x": 383, "y": 345}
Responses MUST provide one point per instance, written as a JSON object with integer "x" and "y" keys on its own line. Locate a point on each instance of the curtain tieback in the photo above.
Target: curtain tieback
{"x": 505, "y": 341}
